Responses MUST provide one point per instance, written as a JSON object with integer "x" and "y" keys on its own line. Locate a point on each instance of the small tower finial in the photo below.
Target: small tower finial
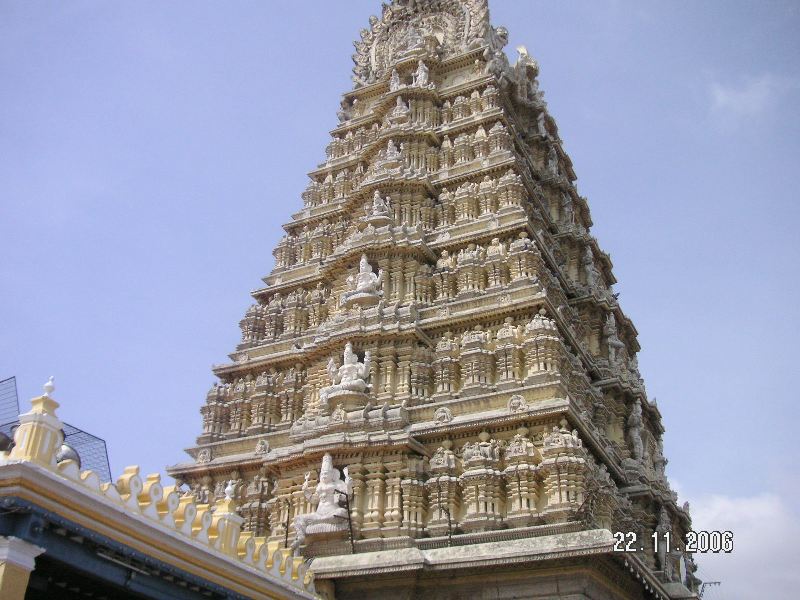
{"x": 49, "y": 387}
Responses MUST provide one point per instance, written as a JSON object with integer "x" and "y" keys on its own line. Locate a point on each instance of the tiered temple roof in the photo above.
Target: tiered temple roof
{"x": 440, "y": 321}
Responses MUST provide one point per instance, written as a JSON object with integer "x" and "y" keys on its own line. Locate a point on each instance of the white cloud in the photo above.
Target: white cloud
{"x": 748, "y": 99}
{"x": 763, "y": 563}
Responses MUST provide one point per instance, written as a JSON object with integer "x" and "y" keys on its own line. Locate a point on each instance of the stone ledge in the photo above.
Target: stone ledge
{"x": 595, "y": 541}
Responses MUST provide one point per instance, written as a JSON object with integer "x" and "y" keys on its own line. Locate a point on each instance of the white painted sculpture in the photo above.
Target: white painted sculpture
{"x": 392, "y": 152}
{"x": 421, "y": 75}
{"x": 49, "y": 387}
{"x": 330, "y": 515}
{"x": 380, "y": 206}
{"x": 364, "y": 286}
{"x": 394, "y": 81}
{"x": 351, "y": 378}
{"x": 541, "y": 128}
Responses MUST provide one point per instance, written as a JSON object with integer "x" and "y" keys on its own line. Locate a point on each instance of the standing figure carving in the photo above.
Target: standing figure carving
{"x": 394, "y": 81}
{"x": 421, "y": 75}
{"x": 635, "y": 431}
{"x": 616, "y": 347}
{"x": 329, "y": 515}
{"x": 552, "y": 161}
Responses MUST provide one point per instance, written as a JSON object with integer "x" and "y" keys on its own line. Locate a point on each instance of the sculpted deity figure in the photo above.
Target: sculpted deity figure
{"x": 496, "y": 248}
{"x": 496, "y": 60}
{"x": 394, "y": 81}
{"x": 446, "y": 343}
{"x": 659, "y": 461}
{"x": 318, "y": 294}
{"x": 615, "y": 346}
{"x": 352, "y": 376}
{"x": 593, "y": 277}
{"x": 421, "y": 75}
{"x": 472, "y": 251}
{"x": 330, "y": 515}
{"x": 635, "y": 431}
{"x": 552, "y": 161}
{"x": 364, "y": 286}
{"x": 541, "y": 127}
{"x": 400, "y": 112}
{"x": 380, "y": 206}
{"x": 517, "y": 404}
{"x": 664, "y": 526}
{"x": 484, "y": 450}
{"x": 445, "y": 262}
{"x": 470, "y": 451}
{"x": 392, "y": 153}
{"x": 414, "y": 40}
{"x": 443, "y": 459}
{"x": 567, "y": 212}
{"x": 276, "y": 301}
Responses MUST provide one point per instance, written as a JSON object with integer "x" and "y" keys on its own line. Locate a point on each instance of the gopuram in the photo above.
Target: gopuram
{"x": 436, "y": 393}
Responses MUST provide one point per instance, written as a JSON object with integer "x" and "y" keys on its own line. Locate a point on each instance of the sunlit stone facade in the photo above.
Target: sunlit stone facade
{"x": 441, "y": 321}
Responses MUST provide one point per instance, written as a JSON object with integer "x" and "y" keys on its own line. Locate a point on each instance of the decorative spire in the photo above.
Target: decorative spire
{"x": 49, "y": 387}
{"x": 230, "y": 489}
{"x": 39, "y": 435}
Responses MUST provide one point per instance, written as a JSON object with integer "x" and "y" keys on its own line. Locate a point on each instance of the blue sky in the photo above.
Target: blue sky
{"x": 150, "y": 151}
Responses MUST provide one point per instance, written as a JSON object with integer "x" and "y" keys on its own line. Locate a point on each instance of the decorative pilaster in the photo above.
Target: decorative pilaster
{"x": 359, "y": 501}
{"x": 508, "y": 356}
{"x": 446, "y": 367}
{"x": 542, "y": 347}
{"x": 376, "y": 485}
{"x": 477, "y": 361}
{"x": 393, "y": 499}
{"x": 564, "y": 467}
{"x": 17, "y": 560}
{"x": 443, "y": 492}
{"x": 481, "y": 483}
{"x": 520, "y": 474}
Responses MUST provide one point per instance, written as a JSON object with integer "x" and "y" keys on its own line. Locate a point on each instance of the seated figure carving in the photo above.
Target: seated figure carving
{"x": 329, "y": 516}
{"x": 364, "y": 287}
{"x": 349, "y": 380}
{"x": 379, "y": 205}
{"x": 379, "y": 214}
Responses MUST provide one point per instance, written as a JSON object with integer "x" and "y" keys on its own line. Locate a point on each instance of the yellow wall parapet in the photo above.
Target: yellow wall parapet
{"x": 217, "y": 527}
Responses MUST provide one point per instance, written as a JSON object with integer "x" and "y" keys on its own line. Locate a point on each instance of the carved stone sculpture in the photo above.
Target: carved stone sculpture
{"x": 348, "y": 382}
{"x": 552, "y": 161}
{"x": 421, "y": 75}
{"x": 365, "y": 286}
{"x": 616, "y": 347}
{"x": 379, "y": 212}
{"x": 635, "y": 431}
{"x": 329, "y": 516}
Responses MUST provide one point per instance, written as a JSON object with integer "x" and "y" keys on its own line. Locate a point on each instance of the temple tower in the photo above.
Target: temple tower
{"x": 441, "y": 322}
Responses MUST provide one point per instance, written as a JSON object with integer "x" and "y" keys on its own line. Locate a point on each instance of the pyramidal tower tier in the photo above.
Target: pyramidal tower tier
{"x": 436, "y": 391}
